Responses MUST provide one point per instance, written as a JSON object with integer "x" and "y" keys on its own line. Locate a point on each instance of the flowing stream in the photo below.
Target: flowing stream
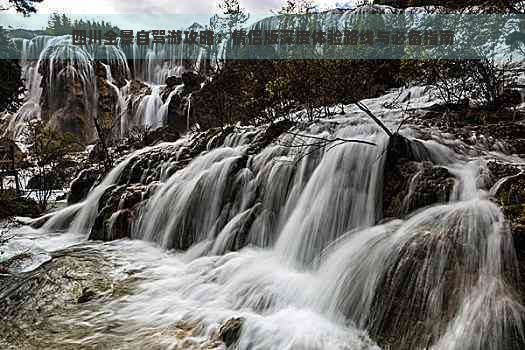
{"x": 294, "y": 243}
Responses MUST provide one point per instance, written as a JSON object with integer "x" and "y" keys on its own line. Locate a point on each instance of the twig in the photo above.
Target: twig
{"x": 331, "y": 140}
{"x": 371, "y": 115}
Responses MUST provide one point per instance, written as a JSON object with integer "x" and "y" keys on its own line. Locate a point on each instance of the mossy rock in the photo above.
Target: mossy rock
{"x": 13, "y": 205}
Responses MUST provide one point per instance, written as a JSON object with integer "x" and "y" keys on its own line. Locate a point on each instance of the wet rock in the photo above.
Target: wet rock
{"x": 499, "y": 170}
{"x": 36, "y": 306}
{"x": 415, "y": 185}
{"x": 163, "y": 134}
{"x": 136, "y": 87}
{"x": 216, "y": 136}
{"x": 177, "y": 118}
{"x": 192, "y": 82}
{"x": 82, "y": 184}
{"x": 108, "y": 205}
{"x": 230, "y": 330}
{"x": 511, "y": 197}
{"x": 410, "y": 180}
{"x": 512, "y": 191}
{"x": 97, "y": 153}
{"x": 120, "y": 224}
{"x": 65, "y": 109}
{"x": 273, "y": 131}
{"x": 55, "y": 284}
{"x": 503, "y": 131}
{"x": 86, "y": 295}
{"x": 173, "y": 81}
{"x": 117, "y": 211}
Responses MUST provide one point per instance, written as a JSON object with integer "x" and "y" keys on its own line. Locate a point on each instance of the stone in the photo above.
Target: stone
{"x": 272, "y": 132}
{"x": 230, "y": 330}
{"x": 192, "y": 81}
{"x": 173, "y": 81}
{"x": 82, "y": 184}
{"x": 410, "y": 181}
{"x": 414, "y": 185}
{"x": 162, "y": 134}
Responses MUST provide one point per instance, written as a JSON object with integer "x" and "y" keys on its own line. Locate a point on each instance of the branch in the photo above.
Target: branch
{"x": 376, "y": 119}
{"x": 331, "y": 140}
{"x": 323, "y": 142}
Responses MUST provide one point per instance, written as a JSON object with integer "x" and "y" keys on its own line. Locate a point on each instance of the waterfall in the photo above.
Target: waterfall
{"x": 150, "y": 109}
{"x": 188, "y": 113}
{"x": 290, "y": 237}
{"x": 48, "y": 63}
{"x": 79, "y": 218}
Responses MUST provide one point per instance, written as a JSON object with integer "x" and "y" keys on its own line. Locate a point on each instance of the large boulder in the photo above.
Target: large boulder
{"x": 173, "y": 81}
{"x": 162, "y": 134}
{"x": 511, "y": 197}
{"x": 410, "y": 179}
{"x": 192, "y": 82}
{"x": 230, "y": 331}
{"x": 117, "y": 210}
{"x": 82, "y": 184}
{"x": 416, "y": 185}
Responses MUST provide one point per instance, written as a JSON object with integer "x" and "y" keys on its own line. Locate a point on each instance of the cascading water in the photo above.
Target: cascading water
{"x": 79, "y": 218}
{"x": 149, "y": 109}
{"x": 60, "y": 62}
{"x": 292, "y": 243}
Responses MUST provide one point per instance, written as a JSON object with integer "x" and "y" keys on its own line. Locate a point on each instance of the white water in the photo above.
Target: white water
{"x": 67, "y": 62}
{"x": 312, "y": 268}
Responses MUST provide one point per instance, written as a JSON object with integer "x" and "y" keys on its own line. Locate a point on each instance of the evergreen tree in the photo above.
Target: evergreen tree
{"x": 11, "y": 88}
{"x": 22, "y": 6}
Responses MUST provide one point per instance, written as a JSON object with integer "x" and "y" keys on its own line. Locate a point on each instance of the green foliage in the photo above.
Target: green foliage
{"x": 12, "y": 86}
{"x": 13, "y": 205}
{"x": 297, "y": 7}
{"x": 21, "y": 6}
{"x": 48, "y": 154}
{"x": 233, "y": 17}
{"x": 482, "y": 82}
{"x": 62, "y": 25}
{"x": 277, "y": 87}
{"x": 259, "y": 91}
{"x": 482, "y": 6}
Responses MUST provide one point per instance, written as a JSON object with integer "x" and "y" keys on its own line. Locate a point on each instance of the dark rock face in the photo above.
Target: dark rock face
{"x": 137, "y": 87}
{"x": 230, "y": 330}
{"x": 410, "y": 179}
{"x": 106, "y": 116}
{"x": 178, "y": 112}
{"x": 173, "y": 81}
{"x": 273, "y": 131}
{"x": 82, "y": 184}
{"x": 70, "y": 107}
{"x": 118, "y": 206}
{"x": 511, "y": 198}
{"x": 191, "y": 81}
{"x": 418, "y": 185}
{"x": 179, "y": 107}
{"x": 501, "y": 131}
{"x": 163, "y": 134}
